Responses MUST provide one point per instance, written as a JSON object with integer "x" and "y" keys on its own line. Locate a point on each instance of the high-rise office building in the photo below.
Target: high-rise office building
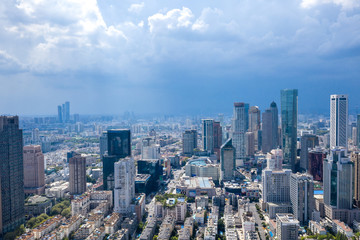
{"x": 60, "y": 114}
{"x": 240, "y": 125}
{"x": 119, "y": 146}
{"x": 250, "y": 143}
{"x": 119, "y": 142}
{"x": 274, "y": 159}
{"x": 124, "y": 191}
{"x": 254, "y": 119}
{"x": 103, "y": 144}
{"x": 154, "y": 169}
{"x": 189, "y": 141}
{"x": 77, "y": 175}
{"x": 307, "y": 141}
{"x": 267, "y": 138}
{"x": 275, "y": 125}
{"x": 149, "y": 149}
{"x": 302, "y": 196}
{"x": 316, "y": 158}
{"x": 355, "y": 158}
{"x": 208, "y": 135}
{"x": 275, "y": 180}
{"x": 338, "y": 120}
{"x": 67, "y": 111}
{"x": 217, "y": 138}
{"x": 358, "y": 131}
{"x": 289, "y": 113}
{"x": 227, "y": 161}
{"x": 34, "y": 170}
{"x": 270, "y": 128}
{"x": 11, "y": 174}
{"x": 338, "y": 179}
{"x": 287, "y": 227}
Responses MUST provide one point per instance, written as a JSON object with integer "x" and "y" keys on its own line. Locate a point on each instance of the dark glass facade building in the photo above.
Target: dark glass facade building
{"x": 12, "y": 174}
{"x": 119, "y": 146}
{"x": 289, "y": 114}
{"x": 152, "y": 167}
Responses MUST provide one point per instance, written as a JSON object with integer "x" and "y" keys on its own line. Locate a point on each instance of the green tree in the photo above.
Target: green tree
{"x": 155, "y": 237}
{"x": 221, "y": 225}
{"x": 66, "y": 212}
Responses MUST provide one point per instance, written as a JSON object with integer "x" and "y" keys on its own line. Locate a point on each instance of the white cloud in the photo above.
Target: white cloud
{"x": 345, "y": 4}
{"x": 136, "y": 7}
{"x": 173, "y": 19}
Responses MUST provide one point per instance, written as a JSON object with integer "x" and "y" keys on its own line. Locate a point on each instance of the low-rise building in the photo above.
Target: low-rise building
{"x": 36, "y": 205}
{"x": 316, "y": 228}
{"x": 149, "y": 231}
{"x": 97, "y": 234}
{"x": 80, "y": 205}
{"x": 112, "y": 223}
{"x": 184, "y": 234}
{"x": 196, "y": 186}
{"x": 341, "y": 227}
{"x": 48, "y": 226}
{"x": 57, "y": 189}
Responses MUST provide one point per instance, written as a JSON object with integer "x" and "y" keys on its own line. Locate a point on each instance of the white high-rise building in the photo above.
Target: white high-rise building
{"x": 240, "y": 124}
{"x": 274, "y": 159}
{"x": 275, "y": 180}
{"x": 338, "y": 120}
{"x": 149, "y": 149}
{"x": 124, "y": 191}
{"x": 208, "y": 135}
{"x": 302, "y": 196}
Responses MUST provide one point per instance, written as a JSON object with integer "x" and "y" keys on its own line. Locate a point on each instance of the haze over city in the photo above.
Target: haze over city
{"x": 176, "y": 57}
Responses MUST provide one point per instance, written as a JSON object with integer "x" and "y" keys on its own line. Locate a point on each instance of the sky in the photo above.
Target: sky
{"x": 176, "y": 57}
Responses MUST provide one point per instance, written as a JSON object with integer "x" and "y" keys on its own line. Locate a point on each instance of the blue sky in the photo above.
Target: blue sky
{"x": 183, "y": 57}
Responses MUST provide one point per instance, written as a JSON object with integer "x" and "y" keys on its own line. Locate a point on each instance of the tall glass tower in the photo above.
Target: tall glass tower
{"x": 240, "y": 125}
{"x": 289, "y": 113}
{"x": 338, "y": 120}
{"x": 11, "y": 175}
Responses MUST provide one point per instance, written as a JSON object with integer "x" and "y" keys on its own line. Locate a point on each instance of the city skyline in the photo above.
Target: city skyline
{"x": 175, "y": 56}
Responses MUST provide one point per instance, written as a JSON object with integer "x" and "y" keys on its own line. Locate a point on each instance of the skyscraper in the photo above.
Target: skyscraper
{"x": 119, "y": 142}
{"x": 316, "y": 158}
{"x": 275, "y": 125}
{"x": 267, "y": 134}
{"x": 240, "y": 125}
{"x": 60, "y": 114}
{"x": 34, "y": 171}
{"x": 77, "y": 176}
{"x": 149, "y": 149}
{"x": 358, "y": 131}
{"x": 307, "y": 141}
{"x": 270, "y": 126}
{"x": 289, "y": 113}
{"x": 103, "y": 144}
{"x": 302, "y": 196}
{"x": 119, "y": 146}
{"x": 338, "y": 120}
{"x": 189, "y": 141}
{"x": 355, "y": 158}
{"x": 217, "y": 138}
{"x": 124, "y": 191}
{"x": 338, "y": 179}
{"x": 227, "y": 161}
{"x": 11, "y": 174}
{"x": 208, "y": 135}
{"x": 254, "y": 119}
{"x": 275, "y": 180}
{"x": 67, "y": 111}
